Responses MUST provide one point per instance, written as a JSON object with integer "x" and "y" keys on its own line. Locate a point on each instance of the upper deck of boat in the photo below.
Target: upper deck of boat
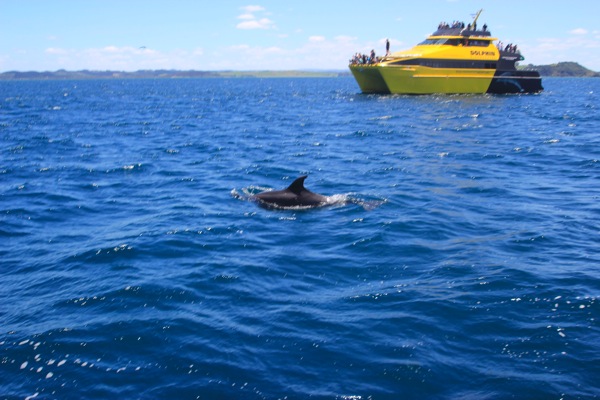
{"x": 464, "y": 32}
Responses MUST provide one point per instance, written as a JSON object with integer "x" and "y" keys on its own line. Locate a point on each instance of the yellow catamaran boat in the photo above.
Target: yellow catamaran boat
{"x": 454, "y": 59}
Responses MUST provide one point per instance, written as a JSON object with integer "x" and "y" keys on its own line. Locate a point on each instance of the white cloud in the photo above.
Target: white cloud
{"x": 315, "y": 52}
{"x": 585, "y": 51}
{"x": 240, "y": 47}
{"x": 318, "y": 52}
{"x": 115, "y": 49}
{"x": 263, "y": 23}
{"x": 125, "y": 58}
{"x": 252, "y": 24}
{"x": 579, "y": 31}
{"x": 252, "y": 9}
{"x": 251, "y": 21}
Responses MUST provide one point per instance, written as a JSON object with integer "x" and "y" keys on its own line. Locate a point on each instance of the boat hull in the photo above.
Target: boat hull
{"x": 369, "y": 79}
{"x": 384, "y": 79}
{"x": 516, "y": 82}
{"x": 425, "y": 80}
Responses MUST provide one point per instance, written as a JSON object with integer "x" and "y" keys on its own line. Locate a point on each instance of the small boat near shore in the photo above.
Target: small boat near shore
{"x": 453, "y": 59}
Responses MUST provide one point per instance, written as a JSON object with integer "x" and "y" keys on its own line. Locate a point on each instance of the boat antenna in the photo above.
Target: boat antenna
{"x": 476, "y": 16}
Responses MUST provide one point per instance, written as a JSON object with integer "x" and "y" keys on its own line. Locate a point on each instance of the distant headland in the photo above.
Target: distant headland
{"x": 164, "y": 74}
{"x": 561, "y": 69}
{"x": 564, "y": 69}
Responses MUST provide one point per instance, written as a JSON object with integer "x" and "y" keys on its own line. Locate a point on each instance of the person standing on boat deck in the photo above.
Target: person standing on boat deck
{"x": 387, "y": 47}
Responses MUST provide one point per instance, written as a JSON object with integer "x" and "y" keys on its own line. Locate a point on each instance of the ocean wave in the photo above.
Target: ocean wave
{"x": 455, "y": 255}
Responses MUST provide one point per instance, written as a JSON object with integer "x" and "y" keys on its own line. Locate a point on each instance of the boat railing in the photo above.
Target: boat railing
{"x": 461, "y": 32}
{"x": 511, "y": 55}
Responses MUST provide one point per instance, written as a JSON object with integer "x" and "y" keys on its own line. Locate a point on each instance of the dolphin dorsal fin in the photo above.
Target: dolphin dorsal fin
{"x": 298, "y": 185}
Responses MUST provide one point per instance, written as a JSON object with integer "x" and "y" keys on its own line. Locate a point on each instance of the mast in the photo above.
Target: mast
{"x": 476, "y": 16}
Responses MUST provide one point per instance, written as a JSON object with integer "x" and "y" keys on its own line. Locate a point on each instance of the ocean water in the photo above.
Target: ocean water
{"x": 463, "y": 262}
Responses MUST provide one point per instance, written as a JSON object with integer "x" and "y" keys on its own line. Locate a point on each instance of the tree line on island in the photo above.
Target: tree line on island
{"x": 564, "y": 69}
{"x": 561, "y": 69}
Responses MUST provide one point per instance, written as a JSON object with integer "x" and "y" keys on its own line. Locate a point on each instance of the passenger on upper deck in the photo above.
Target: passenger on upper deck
{"x": 455, "y": 24}
{"x": 469, "y": 29}
{"x": 509, "y": 48}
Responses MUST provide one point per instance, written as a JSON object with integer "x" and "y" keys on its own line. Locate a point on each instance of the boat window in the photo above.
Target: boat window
{"x": 439, "y": 42}
{"x": 476, "y": 42}
{"x": 440, "y": 63}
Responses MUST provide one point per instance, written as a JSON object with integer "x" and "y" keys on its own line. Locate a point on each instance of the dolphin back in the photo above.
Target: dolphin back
{"x": 295, "y": 195}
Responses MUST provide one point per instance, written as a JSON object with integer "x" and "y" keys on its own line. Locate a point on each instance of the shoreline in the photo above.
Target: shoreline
{"x": 164, "y": 74}
{"x": 560, "y": 69}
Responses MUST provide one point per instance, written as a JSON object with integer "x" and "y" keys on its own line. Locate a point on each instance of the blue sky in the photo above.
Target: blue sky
{"x": 128, "y": 35}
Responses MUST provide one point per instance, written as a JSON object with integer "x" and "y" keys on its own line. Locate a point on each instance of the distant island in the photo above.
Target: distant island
{"x": 164, "y": 74}
{"x": 561, "y": 69}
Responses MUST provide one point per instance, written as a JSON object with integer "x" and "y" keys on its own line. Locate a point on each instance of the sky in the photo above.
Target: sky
{"x": 130, "y": 35}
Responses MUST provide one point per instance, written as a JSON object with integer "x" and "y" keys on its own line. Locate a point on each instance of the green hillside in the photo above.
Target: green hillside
{"x": 563, "y": 69}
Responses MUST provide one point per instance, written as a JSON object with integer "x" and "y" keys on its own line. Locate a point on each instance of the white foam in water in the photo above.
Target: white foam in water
{"x": 337, "y": 199}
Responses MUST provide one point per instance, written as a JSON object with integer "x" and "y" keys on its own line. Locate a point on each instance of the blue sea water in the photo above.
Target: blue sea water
{"x": 466, "y": 265}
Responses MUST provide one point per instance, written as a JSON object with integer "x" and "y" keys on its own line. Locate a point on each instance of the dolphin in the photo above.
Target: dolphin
{"x": 296, "y": 195}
